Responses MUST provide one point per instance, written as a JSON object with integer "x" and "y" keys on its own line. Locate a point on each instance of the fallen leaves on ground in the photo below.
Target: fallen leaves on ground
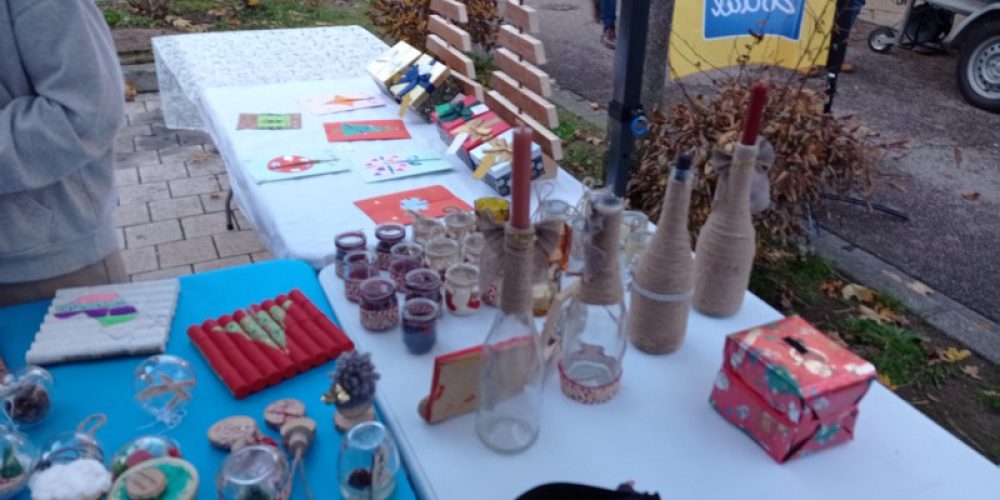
{"x": 837, "y": 339}
{"x": 953, "y": 354}
{"x": 831, "y": 288}
{"x": 972, "y": 371}
{"x": 920, "y": 288}
{"x": 887, "y": 382}
{"x": 130, "y": 91}
{"x": 860, "y": 293}
{"x": 865, "y": 312}
{"x": 971, "y": 196}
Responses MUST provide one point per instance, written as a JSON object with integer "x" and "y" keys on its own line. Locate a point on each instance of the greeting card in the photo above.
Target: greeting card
{"x": 393, "y": 166}
{"x": 269, "y": 121}
{"x": 268, "y": 167}
{"x": 431, "y": 201}
{"x": 366, "y": 130}
{"x": 339, "y": 102}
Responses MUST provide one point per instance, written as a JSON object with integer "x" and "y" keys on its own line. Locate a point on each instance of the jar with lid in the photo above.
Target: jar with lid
{"x": 379, "y": 307}
{"x": 360, "y": 266}
{"x": 346, "y": 243}
{"x": 388, "y": 236}
{"x": 424, "y": 283}
{"x": 403, "y": 258}
{"x": 441, "y": 254}
{"x": 420, "y": 325}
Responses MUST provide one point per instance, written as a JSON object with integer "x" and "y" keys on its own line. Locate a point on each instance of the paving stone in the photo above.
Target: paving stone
{"x": 135, "y": 107}
{"x": 162, "y": 172}
{"x": 130, "y": 215}
{"x": 163, "y": 274}
{"x": 204, "y": 225}
{"x": 126, "y": 177}
{"x": 152, "y": 105}
{"x": 223, "y": 181}
{"x": 262, "y": 256}
{"x": 214, "y": 202}
{"x": 124, "y": 144}
{"x": 144, "y": 117}
{"x": 136, "y": 130}
{"x": 237, "y": 242}
{"x": 155, "y": 142}
{"x": 192, "y": 137}
{"x": 120, "y": 234}
{"x": 194, "y": 185}
{"x": 175, "y": 208}
{"x": 209, "y": 164}
{"x": 137, "y": 159}
{"x": 238, "y": 260}
{"x": 138, "y": 260}
{"x": 186, "y": 252}
{"x": 141, "y": 193}
{"x": 241, "y": 220}
{"x": 181, "y": 154}
{"x": 153, "y": 233}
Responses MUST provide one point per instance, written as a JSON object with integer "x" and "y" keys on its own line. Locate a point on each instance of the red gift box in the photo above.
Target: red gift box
{"x": 480, "y": 129}
{"x": 790, "y": 388}
{"x": 473, "y": 107}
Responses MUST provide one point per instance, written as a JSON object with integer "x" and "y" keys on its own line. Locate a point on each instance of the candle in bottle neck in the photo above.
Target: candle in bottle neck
{"x": 520, "y": 210}
{"x": 755, "y": 113}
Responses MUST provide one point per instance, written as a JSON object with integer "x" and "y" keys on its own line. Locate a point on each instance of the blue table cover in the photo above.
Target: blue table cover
{"x": 105, "y": 386}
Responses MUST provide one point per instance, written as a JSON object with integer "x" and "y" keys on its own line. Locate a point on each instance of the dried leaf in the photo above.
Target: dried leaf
{"x": 130, "y": 91}
{"x": 971, "y": 196}
{"x": 831, "y": 288}
{"x": 920, "y": 288}
{"x": 595, "y": 106}
{"x": 180, "y": 23}
{"x": 887, "y": 382}
{"x": 865, "y": 312}
{"x": 857, "y": 292}
{"x": 953, "y": 355}
{"x": 958, "y": 157}
{"x": 972, "y": 371}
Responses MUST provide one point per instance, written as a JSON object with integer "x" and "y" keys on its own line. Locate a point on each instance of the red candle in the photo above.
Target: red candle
{"x": 520, "y": 210}
{"x": 755, "y": 114}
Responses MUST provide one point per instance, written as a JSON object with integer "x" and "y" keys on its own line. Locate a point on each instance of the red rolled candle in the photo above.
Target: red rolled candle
{"x": 340, "y": 339}
{"x": 520, "y": 193}
{"x": 312, "y": 352}
{"x": 278, "y": 357}
{"x": 755, "y": 114}
{"x": 220, "y": 365}
{"x": 268, "y": 361}
{"x": 226, "y": 343}
{"x": 297, "y": 353}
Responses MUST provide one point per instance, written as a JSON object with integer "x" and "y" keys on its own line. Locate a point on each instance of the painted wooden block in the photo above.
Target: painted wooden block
{"x": 550, "y": 143}
{"x": 454, "y": 58}
{"x": 521, "y": 16}
{"x": 452, "y": 34}
{"x": 529, "y": 102}
{"x": 528, "y": 74}
{"x": 451, "y": 9}
{"x": 521, "y": 44}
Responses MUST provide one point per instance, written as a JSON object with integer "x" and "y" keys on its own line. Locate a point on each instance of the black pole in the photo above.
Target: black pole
{"x": 625, "y": 105}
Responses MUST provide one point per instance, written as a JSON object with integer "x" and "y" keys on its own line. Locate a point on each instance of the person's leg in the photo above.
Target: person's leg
{"x": 608, "y": 18}
{"x": 109, "y": 270}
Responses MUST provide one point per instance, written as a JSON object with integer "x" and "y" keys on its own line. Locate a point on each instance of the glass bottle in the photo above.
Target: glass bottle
{"x": 472, "y": 248}
{"x": 426, "y": 229}
{"x": 388, "y": 235}
{"x": 368, "y": 463}
{"x": 360, "y": 266}
{"x": 419, "y": 325}
{"x": 441, "y": 254}
{"x": 379, "y": 306}
{"x": 509, "y": 396}
{"x": 576, "y": 226}
{"x": 461, "y": 289}
{"x": 346, "y": 243}
{"x": 424, "y": 283}
{"x": 258, "y": 472}
{"x": 459, "y": 223}
{"x": 594, "y": 325}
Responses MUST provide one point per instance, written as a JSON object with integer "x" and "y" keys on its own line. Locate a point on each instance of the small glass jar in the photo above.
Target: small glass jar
{"x": 26, "y": 395}
{"x": 368, "y": 463}
{"x": 379, "y": 307}
{"x": 258, "y": 472}
{"x": 426, "y": 284}
{"x": 407, "y": 249}
{"x": 472, "y": 248}
{"x": 562, "y": 211}
{"x": 458, "y": 223}
{"x": 360, "y": 267}
{"x": 632, "y": 221}
{"x": 420, "y": 325}
{"x": 425, "y": 230}
{"x": 441, "y": 254}
{"x": 461, "y": 289}
{"x": 346, "y": 243}
{"x": 17, "y": 459}
{"x": 634, "y": 248}
{"x": 388, "y": 236}
{"x": 400, "y": 266}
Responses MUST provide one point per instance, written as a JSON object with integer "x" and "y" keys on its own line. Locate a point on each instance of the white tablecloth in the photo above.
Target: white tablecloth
{"x": 299, "y": 218}
{"x": 659, "y": 431}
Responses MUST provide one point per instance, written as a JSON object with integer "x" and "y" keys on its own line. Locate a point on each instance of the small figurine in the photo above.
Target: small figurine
{"x": 352, "y": 390}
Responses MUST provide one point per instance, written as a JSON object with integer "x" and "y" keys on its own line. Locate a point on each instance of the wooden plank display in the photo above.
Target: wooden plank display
{"x": 452, "y": 34}
{"x": 454, "y": 58}
{"x": 528, "y": 74}
{"x": 521, "y": 16}
{"x": 529, "y": 102}
{"x": 549, "y": 142}
{"x": 521, "y": 44}
{"x": 468, "y": 85}
{"x": 451, "y": 9}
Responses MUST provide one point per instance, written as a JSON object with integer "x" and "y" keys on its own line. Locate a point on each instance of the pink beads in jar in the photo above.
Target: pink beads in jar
{"x": 359, "y": 266}
{"x": 346, "y": 243}
{"x": 388, "y": 236}
{"x": 379, "y": 306}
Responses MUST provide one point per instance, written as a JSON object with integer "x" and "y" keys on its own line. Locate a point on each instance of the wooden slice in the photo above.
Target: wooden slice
{"x": 521, "y": 44}
{"x": 549, "y": 142}
{"x": 146, "y": 484}
{"x": 451, "y": 9}
{"x": 283, "y": 410}
{"x": 521, "y": 16}
{"x": 469, "y": 86}
{"x": 455, "y": 59}
{"x": 452, "y": 34}
{"x": 529, "y": 102}
{"x": 224, "y": 433}
{"x": 528, "y": 74}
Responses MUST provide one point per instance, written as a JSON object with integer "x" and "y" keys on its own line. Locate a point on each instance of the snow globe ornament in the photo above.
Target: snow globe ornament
{"x": 258, "y": 472}
{"x": 141, "y": 449}
{"x": 163, "y": 385}
{"x": 71, "y": 464}
{"x": 17, "y": 458}
{"x": 26, "y": 396}
{"x": 368, "y": 463}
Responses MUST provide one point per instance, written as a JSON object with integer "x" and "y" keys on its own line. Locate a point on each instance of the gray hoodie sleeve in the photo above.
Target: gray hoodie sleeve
{"x": 67, "y": 52}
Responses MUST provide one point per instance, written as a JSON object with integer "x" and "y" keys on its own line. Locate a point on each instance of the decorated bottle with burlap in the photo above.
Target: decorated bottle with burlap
{"x": 594, "y": 321}
{"x": 664, "y": 277}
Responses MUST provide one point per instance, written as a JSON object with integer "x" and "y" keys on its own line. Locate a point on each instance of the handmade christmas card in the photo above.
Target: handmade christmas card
{"x": 340, "y": 101}
{"x": 376, "y": 168}
{"x": 269, "y": 167}
{"x": 366, "y": 130}
{"x": 431, "y": 201}
{"x": 269, "y": 121}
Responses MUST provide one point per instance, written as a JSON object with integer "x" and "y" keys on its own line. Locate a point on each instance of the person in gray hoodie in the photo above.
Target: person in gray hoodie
{"x": 61, "y": 105}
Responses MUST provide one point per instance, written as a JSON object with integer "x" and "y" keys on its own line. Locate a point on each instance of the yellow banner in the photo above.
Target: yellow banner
{"x": 714, "y": 34}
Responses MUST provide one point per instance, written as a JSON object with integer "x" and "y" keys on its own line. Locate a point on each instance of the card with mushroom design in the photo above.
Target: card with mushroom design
{"x": 431, "y": 201}
{"x": 295, "y": 163}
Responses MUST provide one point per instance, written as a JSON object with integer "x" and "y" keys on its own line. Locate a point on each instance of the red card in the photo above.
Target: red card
{"x": 366, "y": 130}
{"x": 431, "y": 201}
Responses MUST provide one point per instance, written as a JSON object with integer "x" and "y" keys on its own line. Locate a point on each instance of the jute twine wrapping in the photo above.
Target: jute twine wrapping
{"x": 726, "y": 246}
{"x": 515, "y": 292}
{"x": 602, "y": 283}
{"x": 664, "y": 277}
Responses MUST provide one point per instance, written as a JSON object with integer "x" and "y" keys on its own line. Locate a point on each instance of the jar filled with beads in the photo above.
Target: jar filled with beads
{"x": 388, "y": 236}
{"x": 426, "y": 284}
{"x": 346, "y": 243}
{"x": 379, "y": 307}
{"x": 419, "y": 325}
{"x": 360, "y": 266}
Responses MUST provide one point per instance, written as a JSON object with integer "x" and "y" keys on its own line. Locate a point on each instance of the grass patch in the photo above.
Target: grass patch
{"x": 990, "y": 399}
{"x": 584, "y": 146}
{"x": 296, "y": 13}
{"x": 800, "y": 275}
{"x": 898, "y": 353}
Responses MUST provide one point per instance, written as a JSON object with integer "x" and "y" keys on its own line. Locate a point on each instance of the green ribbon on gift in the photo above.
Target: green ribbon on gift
{"x": 453, "y": 111}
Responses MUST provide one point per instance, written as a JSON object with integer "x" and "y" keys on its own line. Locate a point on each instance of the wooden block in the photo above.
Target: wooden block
{"x": 455, "y": 59}
{"x": 528, "y": 74}
{"x": 452, "y": 34}
{"x": 529, "y": 102}
{"x": 451, "y": 9}
{"x": 551, "y": 167}
{"x": 550, "y": 143}
{"x": 522, "y": 16}
{"x": 469, "y": 86}
{"x": 521, "y": 44}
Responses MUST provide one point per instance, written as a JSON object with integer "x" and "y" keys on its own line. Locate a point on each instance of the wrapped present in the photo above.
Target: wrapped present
{"x": 790, "y": 388}
{"x": 492, "y": 162}
{"x": 479, "y": 130}
{"x": 418, "y": 82}
{"x": 386, "y": 68}
{"x": 443, "y": 94}
{"x": 456, "y": 113}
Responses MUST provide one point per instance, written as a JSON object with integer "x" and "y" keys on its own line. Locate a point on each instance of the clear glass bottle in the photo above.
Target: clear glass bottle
{"x": 379, "y": 306}
{"x": 594, "y": 326}
{"x": 257, "y": 472}
{"x": 346, "y": 243}
{"x": 388, "y": 236}
{"x": 368, "y": 463}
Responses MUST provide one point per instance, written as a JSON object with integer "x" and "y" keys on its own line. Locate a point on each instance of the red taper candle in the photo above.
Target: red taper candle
{"x": 520, "y": 193}
{"x": 755, "y": 114}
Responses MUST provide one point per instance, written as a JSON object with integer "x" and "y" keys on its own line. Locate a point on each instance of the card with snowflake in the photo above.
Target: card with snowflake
{"x": 366, "y": 130}
{"x": 393, "y": 166}
{"x": 431, "y": 201}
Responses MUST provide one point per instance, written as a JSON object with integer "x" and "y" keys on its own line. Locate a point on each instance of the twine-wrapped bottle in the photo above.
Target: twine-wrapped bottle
{"x": 664, "y": 277}
{"x": 726, "y": 243}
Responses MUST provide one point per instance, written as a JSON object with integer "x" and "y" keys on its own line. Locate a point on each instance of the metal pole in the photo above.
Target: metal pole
{"x": 625, "y": 107}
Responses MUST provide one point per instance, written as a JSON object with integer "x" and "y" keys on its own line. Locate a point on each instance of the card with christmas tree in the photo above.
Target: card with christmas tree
{"x": 366, "y": 130}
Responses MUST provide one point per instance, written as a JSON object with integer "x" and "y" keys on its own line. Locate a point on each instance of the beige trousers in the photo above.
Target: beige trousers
{"x": 109, "y": 270}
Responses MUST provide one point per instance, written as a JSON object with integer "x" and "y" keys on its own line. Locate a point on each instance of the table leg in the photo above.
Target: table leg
{"x": 229, "y": 210}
